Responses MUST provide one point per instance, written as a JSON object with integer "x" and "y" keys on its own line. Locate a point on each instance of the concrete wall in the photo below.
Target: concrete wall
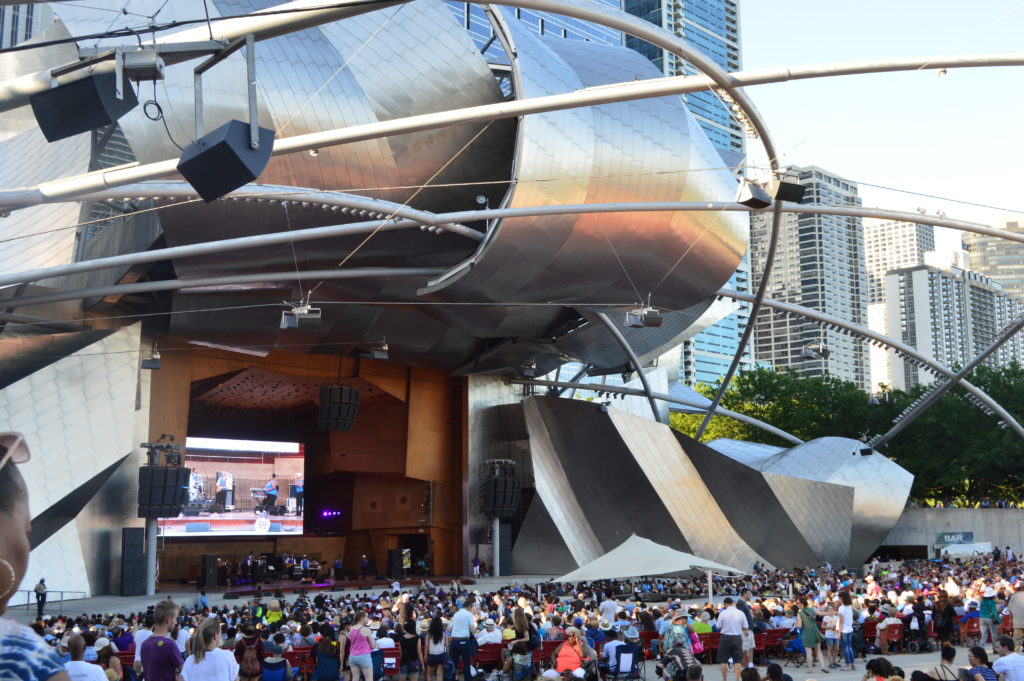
{"x": 917, "y": 526}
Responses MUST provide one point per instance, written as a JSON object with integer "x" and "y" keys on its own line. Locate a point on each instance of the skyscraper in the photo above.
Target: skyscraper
{"x": 893, "y": 245}
{"x": 18, "y": 23}
{"x": 711, "y": 27}
{"x": 998, "y": 258}
{"x": 819, "y": 264}
{"x": 949, "y": 315}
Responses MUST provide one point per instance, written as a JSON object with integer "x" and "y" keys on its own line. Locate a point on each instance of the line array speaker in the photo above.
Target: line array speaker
{"x": 500, "y": 497}
{"x": 209, "y": 570}
{"x": 163, "y": 491}
{"x": 133, "y": 561}
{"x": 339, "y": 405}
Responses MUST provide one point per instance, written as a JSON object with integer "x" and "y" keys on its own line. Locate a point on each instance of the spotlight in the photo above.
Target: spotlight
{"x": 380, "y": 351}
{"x": 529, "y": 369}
{"x": 153, "y": 361}
{"x": 643, "y": 316}
{"x": 752, "y": 195}
{"x": 301, "y": 317}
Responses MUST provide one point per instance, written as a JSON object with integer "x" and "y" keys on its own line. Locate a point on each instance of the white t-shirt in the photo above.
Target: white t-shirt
{"x": 492, "y": 636}
{"x": 1010, "y": 667}
{"x": 846, "y": 614}
{"x": 85, "y": 671}
{"x": 217, "y": 665}
{"x": 385, "y": 642}
{"x": 183, "y": 636}
{"x": 140, "y": 637}
{"x": 608, "y": 608}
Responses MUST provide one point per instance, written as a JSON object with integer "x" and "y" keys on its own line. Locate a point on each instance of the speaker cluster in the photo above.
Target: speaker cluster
{"x": 163, "y": 491}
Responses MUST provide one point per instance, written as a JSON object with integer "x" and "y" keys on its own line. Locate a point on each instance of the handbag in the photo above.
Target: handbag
{"x": 695, "y": 644}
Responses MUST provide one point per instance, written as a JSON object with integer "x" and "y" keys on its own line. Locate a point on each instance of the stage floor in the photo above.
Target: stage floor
{"x": 230, "y": 523}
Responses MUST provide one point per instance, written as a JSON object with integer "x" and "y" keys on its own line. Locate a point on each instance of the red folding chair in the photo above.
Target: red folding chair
{"x": 645, "y": 639}
{"x": 489, "y": 656}
{"x": 893, "y": 638}
{"x": 970, "y": 631}
{"x": 392, "y": 659}
{"x": 542, "y": 656}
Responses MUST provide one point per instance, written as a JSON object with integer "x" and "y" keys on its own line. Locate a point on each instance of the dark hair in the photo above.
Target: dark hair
{"x": 879, "y": 666}
{"x": 436, "y": 631}
{"x": 918, "y": 675}
{"x": 773, "y": 672}
{"x": 1006, "y": 642}
{"x": 694, "y": 672}
{"x": 949, "y": 651}
{"x": 844, "y": 596}
{"x": 980, "y": 655}
{"x": 410, "y": 627}
{"x": 12, "y": 488}
{"x": 750, "y": 674}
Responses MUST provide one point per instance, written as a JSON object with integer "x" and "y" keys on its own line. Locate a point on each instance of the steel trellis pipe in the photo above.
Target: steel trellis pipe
{"x": 621, "y": 340}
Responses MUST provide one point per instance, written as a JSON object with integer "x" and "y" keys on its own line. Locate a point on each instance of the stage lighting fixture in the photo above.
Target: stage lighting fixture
{"x": 301, "y": 317}
{"x": 81, "y": 105}
{"x": 752, "y": 195}
{"x": 153, "y": 361}
{"x": 224, "y": 160}
{"x": 643, "y": 316}
{"x": 380, "y": 351}
{"x": 867, "y": 451}
{"x": 529, "y": 369}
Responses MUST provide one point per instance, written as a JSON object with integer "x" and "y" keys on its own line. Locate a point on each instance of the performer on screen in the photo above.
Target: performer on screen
{"x": 299, "y": 483}
{"x": 271, "y": 490}
{"x": 222, "y": 487}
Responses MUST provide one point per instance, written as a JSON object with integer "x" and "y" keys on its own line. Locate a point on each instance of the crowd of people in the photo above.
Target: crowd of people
{"x": 588, "y": 630}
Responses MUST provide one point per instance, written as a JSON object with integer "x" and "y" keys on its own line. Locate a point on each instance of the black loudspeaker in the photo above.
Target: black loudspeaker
{"x": 394, "y": 563}
{"x": 339, "y": 405}
{"x": 81, "y": 105}
{"x": 500, "y": 497}
{"x": 209, "y": 570}
{"x": 163, "y": 491}
{"x": 133, "y": 561}
{"x": 790, "y": 191}
{"x": 223, "y": 161}
{"x": 505, "y": 548}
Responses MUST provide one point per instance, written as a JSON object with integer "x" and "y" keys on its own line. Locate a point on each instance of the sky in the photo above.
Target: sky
{"x": 956, "y": 136}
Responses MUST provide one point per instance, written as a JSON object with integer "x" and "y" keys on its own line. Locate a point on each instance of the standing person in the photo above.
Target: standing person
{"x": 476, "y": 566}
{"x": 743, "y": 605}
{"x": 221, "y": 487}
{"x": 361, "y": 642}
{"x": 435, "y": 644}
{"x": 411, "y": 651}
{"x": 143, "y": 631}
{"x": 248, "y": 652}
{"x": 810, "y": 636}
{"x": 364, "y": 565}
{"x": 78, "y": 669}
{"x": 462, "y": 645}
{"x": 1010, "y": 665}
{"x": 733, "y": 626}
{"x": 40, "y": 597}
{"x": 846, "y": 619}
{"x": 208, "y": 661}
{"x": 161, "y": 658}
{"x": 1016, "y": 607}
{"x": 989, "y": 618}
{"x": 270, "y": 488}
{"x": 299, "y": 484}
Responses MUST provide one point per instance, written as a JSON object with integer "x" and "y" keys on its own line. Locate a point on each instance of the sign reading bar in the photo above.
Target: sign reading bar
{"x": 946, "y": 538}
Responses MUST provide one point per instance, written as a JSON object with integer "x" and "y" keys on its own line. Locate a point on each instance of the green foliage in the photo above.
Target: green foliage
{"x": 954, "y": 450}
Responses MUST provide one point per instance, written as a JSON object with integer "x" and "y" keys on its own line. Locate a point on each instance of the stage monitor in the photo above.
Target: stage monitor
{"x": 241, "y": 488}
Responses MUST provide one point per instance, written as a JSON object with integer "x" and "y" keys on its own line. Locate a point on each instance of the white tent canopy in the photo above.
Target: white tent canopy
{"x": 639, "y": 557}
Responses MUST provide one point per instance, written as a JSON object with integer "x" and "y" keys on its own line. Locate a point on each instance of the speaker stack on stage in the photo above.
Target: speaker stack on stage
{"x": 339, "y": 405}
{"x": 163, "y": 491}
{"x": 501, "y": 490}
{"x": 209, "y": 570}
{"x": 133, "y": 561}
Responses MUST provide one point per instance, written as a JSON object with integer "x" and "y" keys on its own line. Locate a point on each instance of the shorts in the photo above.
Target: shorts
{"x": 831, "y": 642}
{"x": 364, "y": 661}
{"x": 436, "y": 659}
{"x": 748, "y": 640}
{"x": 730, "y": 647}
{"x": 410, "y": 668}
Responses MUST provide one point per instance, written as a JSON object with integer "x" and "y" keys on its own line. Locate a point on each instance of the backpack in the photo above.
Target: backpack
{"x": 534, "y": 638}
{"x": 250, "y": 666}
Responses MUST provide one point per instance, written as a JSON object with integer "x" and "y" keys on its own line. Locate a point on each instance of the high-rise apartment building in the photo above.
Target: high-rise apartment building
{"x": 819, "y": 263}
{"x": 893, "y": 245}
{"x": 999, "y": 259}
{"x": 712, "y": 28}
{"x": 18, "y": 23}
{"x": 949, "y": 315}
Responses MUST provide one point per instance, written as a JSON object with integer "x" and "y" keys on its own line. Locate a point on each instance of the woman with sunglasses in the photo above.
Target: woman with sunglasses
{"x": 23, "y": 654}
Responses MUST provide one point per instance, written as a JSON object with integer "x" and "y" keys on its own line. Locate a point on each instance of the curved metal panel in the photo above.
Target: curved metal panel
{"x": 617, "y": 152}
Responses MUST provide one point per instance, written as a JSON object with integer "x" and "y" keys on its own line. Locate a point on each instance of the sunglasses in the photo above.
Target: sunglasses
{"x": 13, "y": 448}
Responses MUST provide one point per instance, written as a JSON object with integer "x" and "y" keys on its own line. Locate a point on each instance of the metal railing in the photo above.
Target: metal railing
{"x": 52, "y": 596}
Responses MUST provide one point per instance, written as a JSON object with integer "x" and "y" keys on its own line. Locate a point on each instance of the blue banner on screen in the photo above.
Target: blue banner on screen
{"x": 947, "y": 538}
{"x": 241, "y": 487}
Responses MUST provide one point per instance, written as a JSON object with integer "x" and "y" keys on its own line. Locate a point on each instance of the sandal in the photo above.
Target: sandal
{"x": 824, "y": 671}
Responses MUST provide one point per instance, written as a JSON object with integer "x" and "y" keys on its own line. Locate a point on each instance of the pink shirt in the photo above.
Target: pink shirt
{"x": 358, "y": 643}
